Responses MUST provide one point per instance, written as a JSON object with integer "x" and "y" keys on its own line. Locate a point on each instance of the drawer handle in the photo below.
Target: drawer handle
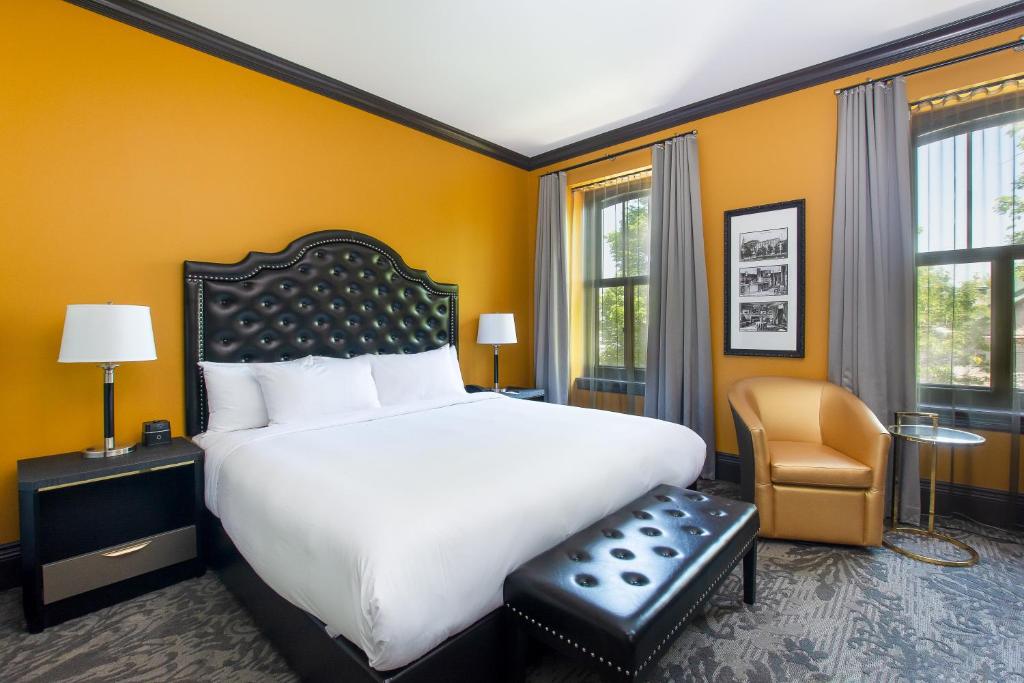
{"x": 120, "y": 552}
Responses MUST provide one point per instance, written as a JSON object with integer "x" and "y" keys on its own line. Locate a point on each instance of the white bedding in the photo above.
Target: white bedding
{"x": 397, "y": 526}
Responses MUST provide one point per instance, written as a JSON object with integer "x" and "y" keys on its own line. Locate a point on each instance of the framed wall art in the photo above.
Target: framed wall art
{"x": 764, "y": 280}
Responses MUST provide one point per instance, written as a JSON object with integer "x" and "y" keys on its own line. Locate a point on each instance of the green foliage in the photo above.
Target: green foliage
{"x": 953, "y": 327}
{"x": 631, "y": 257}
{"x": 612, "y": 309}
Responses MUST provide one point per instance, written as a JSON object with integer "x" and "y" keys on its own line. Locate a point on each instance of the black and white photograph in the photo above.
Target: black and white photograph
{"x": 764, "y": 316}
{"x": 764, "y": 280}
{"x": 762, "y": 245}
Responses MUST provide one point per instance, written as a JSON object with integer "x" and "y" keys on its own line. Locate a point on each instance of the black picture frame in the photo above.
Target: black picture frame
{"x": 798, "y": 287}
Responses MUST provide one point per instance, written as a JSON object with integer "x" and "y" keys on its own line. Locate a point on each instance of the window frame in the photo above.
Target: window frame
{"x": 1000, "y": 394}
{"x": 613, "y": 375}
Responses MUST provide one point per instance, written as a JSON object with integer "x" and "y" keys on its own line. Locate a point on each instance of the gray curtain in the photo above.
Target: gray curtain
{"x": 871, "y": 307}
{"x": 551, "y": 291}
{"x": 678, "y": 380}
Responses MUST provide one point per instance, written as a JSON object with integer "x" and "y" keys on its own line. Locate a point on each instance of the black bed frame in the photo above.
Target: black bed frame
{"x": 330, "y": 293}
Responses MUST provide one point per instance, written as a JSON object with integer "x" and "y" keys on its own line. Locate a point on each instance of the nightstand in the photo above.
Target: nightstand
{"x": 524, "y": 393}
{"x": 98, "y": 531}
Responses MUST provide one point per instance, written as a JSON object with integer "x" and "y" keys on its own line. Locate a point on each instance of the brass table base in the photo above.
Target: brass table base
{"x": 927, "y": 533}
{"x": 930, "y": 532}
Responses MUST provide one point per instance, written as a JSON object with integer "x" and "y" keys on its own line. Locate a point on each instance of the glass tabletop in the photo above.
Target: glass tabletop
{"x": 942, "y": 436}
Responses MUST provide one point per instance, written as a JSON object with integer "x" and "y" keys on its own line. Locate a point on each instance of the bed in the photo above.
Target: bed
{"x": 373, "y": 546}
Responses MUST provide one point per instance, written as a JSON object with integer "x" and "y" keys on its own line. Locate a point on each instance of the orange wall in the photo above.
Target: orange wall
{"x": 124, "y": 154}
{"x": 775, "y": 150}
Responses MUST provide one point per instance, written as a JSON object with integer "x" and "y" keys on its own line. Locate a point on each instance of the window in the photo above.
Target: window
{"x": 969, "y": 207}
{"x": 616, "y": 243}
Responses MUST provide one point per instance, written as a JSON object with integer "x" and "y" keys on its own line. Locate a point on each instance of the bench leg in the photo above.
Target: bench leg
{"x": 515, "y": 657}
{"x": 750, "y": 574}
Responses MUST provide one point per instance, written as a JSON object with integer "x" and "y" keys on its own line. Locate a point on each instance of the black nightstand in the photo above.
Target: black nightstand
{"x": 95, "y": 532}
{"x": 524, "y": 393}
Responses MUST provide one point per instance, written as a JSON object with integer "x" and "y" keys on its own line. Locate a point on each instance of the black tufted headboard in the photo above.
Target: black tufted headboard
{"x": 331, "y": 293}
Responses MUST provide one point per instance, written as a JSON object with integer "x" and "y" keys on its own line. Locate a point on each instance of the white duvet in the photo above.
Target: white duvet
{"x": 396, "y": 527}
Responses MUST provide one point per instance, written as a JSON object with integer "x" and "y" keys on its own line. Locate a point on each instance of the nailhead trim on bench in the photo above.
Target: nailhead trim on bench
{"x": 682, "y": 622}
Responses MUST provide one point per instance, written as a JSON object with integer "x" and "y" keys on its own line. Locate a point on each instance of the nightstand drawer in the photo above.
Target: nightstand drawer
{"x": 85, "y": 517}
{"x": 83, "y": 573}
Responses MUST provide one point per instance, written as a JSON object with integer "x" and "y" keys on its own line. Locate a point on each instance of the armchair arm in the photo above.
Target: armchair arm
{"x": 753, "y": 445}
{"x": 849, "y": 426}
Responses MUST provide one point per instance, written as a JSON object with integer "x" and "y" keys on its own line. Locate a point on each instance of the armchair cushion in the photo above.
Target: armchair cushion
{"x": 812, "y": 464}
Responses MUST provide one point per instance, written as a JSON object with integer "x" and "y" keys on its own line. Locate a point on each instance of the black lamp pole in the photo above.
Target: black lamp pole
{"x": 496, "y": 386}
{"x": 108, "y": 449}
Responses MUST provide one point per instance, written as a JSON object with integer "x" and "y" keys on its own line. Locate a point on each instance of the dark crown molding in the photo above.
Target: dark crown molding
{"x": 948, "y": 35}
{"x": 147, "y": 18}
{"x": 166, "y": 25}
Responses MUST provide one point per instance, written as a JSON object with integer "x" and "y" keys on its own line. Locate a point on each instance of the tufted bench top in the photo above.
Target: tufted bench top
{"x": 619, "y": 591}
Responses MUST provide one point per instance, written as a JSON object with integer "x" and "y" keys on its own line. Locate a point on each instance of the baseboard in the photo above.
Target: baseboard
{"x": 10, "y": 565}
{"x": 991, "y": 506}
{"x": 727, "y": 467}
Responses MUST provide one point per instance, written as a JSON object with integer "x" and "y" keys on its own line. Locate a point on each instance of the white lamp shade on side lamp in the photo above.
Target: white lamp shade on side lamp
{"x": 496, "y": 328}
{"x": 107, "y": 333}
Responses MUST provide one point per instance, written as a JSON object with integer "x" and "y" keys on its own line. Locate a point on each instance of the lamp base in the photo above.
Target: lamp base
{"x": 109, "y": 452}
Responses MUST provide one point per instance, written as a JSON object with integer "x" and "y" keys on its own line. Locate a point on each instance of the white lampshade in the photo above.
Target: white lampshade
{"x": 107, "y": 333}
{"x": 496, "y": 328}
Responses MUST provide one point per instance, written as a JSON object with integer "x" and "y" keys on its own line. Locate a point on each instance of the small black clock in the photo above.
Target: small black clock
{"x": 156, "y": 433}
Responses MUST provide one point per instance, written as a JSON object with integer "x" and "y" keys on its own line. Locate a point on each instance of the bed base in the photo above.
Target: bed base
{"x": 477, "y": 654}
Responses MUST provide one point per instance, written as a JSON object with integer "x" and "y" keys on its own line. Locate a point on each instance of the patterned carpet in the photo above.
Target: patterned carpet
{"x": 823, "y": 614}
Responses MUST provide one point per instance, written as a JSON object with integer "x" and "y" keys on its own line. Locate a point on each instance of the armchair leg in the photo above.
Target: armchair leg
{"x": 750, "y": 574}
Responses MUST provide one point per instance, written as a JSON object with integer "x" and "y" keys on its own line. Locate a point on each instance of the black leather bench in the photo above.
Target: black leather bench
{"x": 620, "y": 591}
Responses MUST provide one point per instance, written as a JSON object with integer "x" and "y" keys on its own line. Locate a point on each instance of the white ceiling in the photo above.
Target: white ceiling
{"x": 533, "y": 75}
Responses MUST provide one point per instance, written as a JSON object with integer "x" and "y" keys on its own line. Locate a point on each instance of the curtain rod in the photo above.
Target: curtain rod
{"x": 1014, "y": 45}
{"x": 612, "y": 178}
{"x": 987, "y": 85}
{"x": 614, "y": 155}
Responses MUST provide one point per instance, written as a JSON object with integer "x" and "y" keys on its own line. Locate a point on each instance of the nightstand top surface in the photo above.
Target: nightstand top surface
{"x": 522, "y": 392}
{"x": 68, "y": 468}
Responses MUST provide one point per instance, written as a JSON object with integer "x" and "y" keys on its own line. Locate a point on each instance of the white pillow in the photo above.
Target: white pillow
{"x": 316, "y": 387}
{"x": 234, "y": 398}
{"x": 402, "y": 378}
{"x": 456, "y": 368}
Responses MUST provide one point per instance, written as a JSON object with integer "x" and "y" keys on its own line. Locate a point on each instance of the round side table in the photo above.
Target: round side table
{"x": 932, "y": 436}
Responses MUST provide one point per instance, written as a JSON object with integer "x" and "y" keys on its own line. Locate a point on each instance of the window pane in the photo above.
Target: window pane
{"x": 638, "y": 235}
{"x": 954, "y": 324}
{"x": 942, "y": 194}
{"x": 612, "y": 242}
{"x": 640, "y": 326}
{"x": 1018, "y": 324}
{"x": 611, "y": 324}
{"x": 996, "y": 206}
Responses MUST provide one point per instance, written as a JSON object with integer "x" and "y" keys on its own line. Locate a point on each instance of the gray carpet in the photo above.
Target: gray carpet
{"x": 823, "y": 613}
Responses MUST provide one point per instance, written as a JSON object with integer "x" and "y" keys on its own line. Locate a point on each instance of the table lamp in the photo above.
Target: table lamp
{"x": 107, "y": 334}
{"x": 496, "y": 329}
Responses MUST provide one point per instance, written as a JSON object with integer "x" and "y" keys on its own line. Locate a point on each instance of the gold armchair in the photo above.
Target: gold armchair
{"x": 812, "y": 458}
